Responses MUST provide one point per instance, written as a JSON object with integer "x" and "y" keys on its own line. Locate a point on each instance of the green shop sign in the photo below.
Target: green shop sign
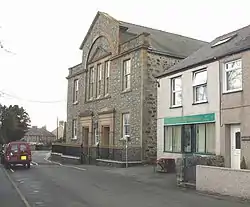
{"x": 194, "y": 119}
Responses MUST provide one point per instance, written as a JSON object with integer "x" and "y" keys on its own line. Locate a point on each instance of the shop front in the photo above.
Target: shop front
{"x": 193, "y": 134}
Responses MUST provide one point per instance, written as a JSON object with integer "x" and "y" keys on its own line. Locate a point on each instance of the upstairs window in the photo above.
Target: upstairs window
{"x": 126, "y": 74}
{"x": 99, "y": 80}
{"x": 75, "y": 92}
{"x": 106, "y": 77}
{"x": 233, "y": 76}
{"x": 91, "y": 82}
{"x": 176, "y": 91}
{"x": 200, "y": 86}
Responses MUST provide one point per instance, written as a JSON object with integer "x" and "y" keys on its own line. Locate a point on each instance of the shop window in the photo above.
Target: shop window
{"x": 193, "y": 138}
{"x": 172, "y": 137}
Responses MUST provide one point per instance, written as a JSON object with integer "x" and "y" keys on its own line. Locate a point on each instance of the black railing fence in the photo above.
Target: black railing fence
{"x": 94, "y": 148}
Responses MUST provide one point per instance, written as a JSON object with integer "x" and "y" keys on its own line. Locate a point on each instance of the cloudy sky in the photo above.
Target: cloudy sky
{"x": 44, "y": 37}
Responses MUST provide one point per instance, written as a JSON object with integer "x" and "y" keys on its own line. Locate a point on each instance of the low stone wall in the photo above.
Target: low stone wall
{"x": 70, "y": 160}
{"x": 224, "y": 181}
{"x": 65, "y": 159}
{"x": 186, "y": 167}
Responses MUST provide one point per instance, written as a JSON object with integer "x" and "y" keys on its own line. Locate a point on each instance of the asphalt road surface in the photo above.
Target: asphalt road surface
{"x": 53, "y": 185}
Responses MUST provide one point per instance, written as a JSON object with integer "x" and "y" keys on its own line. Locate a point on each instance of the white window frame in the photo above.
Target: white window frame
{"x": 198, "y": 85}
{"x": 99, "y": 79}
{"x": 91, "y": 82}
{"x": 106, "y": 77}
{"x": 126, "y": 70}
{"x": 74, "y": 129}
{"x": 225, "y": 71}
{"x": 124, "y": 124}
{"x": 76, "y": 91}
{"x": 173, "y": 91}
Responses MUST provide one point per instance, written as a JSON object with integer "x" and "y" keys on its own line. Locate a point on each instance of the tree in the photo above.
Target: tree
{"x": 15, "y": 122}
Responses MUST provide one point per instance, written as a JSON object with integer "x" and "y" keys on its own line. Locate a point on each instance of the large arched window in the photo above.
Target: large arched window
{"x": 98, "y": 69}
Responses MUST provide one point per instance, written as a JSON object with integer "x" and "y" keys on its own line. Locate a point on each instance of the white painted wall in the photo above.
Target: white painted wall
{"x": 225, "y": 181}
{"x": 164, "y": 103}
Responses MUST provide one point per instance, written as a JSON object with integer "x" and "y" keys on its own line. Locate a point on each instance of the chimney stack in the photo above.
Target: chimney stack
{"x": 61, "y": 123}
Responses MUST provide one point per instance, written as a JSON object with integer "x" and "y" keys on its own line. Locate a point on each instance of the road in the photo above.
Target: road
{"x": 52, "y": 185}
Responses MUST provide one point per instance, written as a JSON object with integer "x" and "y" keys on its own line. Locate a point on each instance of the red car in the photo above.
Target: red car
{"x": 17, "y": 153}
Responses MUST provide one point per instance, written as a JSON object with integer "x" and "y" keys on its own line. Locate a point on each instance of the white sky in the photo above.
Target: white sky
{"x": 46, "y": 35}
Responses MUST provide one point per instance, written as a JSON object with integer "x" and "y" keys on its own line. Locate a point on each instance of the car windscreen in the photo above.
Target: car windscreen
{"x": 14, "y": 148}
{"x": 23, "y": 148}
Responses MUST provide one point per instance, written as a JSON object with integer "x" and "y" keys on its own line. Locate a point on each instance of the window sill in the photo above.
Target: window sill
{"x": 98, "y": 99}
{"x": 126, "y": 91}
{"x": 75, "y": 103}
{"x": 172, "y": 152}
{"x": 202, "y": 153}
{"x": 194, "y": 153}
{"x": 175, "y": 107}
{"x": 74, "y": 138}
{"x": 200, "y": 102}
{"x": 232, "y": 91}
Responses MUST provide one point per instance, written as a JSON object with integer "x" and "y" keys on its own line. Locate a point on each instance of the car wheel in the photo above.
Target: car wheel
{"x": 28, "y": 166}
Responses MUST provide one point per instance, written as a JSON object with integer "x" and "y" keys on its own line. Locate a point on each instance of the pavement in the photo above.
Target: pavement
{"x": 8, "y": 195}
{"x": 51, "y": 184}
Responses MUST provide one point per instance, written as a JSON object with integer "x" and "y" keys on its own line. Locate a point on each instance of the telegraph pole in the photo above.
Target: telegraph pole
{"x": 57, "y": 128}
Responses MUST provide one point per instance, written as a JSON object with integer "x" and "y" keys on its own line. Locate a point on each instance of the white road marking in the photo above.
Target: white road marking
{"x": 17, "y": 189}
{"x": 58, "y": 163}
{"x": 77, "y": 168}
{"x": 34, "y": 163}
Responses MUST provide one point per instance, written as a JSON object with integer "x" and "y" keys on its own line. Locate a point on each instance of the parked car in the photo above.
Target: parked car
{"x": 18, "y": 152}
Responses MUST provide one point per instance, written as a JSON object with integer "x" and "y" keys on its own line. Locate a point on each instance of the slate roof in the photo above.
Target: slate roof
{"x": 240, "y": 42}
{"x": 34, "y": 131}
{"x": 169, "y": 43}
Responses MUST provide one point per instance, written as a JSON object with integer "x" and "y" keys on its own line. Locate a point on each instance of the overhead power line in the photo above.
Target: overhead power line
{"x": 2, "y": 93}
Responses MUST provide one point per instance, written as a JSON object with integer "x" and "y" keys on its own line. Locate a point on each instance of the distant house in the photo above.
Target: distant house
{"x": 58, "y": 132}
{"x": 39, "y": 135}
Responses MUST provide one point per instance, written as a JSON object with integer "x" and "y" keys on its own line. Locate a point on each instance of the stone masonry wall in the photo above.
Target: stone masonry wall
{"x": 73, "y": 110}
{"x": 122, "y": 102}
{"x": 155, "y": 64}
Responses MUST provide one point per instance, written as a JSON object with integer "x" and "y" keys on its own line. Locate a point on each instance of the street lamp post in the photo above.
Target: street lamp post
{"x": 126, "y": 139}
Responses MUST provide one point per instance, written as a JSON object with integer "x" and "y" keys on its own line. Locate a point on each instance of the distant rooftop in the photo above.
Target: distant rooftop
{"x": 35, "y": 131}
{"x": 168, "y": 43}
